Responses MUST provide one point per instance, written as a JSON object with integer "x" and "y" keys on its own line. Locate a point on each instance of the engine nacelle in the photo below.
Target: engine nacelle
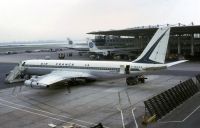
{"x": 34, "y": 84}
{"x": 27, "y": 82}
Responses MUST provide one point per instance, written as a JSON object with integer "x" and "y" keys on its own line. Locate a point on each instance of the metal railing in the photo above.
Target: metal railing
{"x": 165, "y": 102}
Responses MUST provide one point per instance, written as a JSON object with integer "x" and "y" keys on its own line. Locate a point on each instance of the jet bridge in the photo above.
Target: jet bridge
{"x": 15, "y": 75}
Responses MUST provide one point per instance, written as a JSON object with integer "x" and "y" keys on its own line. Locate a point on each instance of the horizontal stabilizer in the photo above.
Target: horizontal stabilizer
{"x": 175, "y": 63}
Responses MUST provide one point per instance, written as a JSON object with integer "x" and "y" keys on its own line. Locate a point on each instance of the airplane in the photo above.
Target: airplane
{"x": 78, "y": 45}
{"x": 51, "y": 72}
{"x": 28, "y": 47}
{"x": 107, "y": 52}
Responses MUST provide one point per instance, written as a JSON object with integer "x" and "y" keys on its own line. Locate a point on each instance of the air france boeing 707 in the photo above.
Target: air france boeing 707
{"x": 51, "y": 72}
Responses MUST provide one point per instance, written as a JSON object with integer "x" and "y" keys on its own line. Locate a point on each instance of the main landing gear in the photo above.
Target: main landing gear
{"x": 133, "y": 80}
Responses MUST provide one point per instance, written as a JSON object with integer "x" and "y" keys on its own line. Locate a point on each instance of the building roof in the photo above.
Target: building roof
{"x": 142, "y": 31}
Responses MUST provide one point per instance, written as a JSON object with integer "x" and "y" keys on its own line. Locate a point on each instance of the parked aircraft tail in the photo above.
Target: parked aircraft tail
{"x": 156, "y": 49}
{"x": 70, "y": 42}
{"x": 92, "y": 46}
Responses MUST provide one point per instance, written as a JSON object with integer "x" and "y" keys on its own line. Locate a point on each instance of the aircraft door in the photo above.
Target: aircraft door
{"x": 122, "y": 69}
{"x": 127, "y": 69}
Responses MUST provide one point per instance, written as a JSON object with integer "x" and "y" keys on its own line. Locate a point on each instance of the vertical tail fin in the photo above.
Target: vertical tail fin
{"x": 92, "y": 46}
{"x": 70, "y": 42}
{"x": 156, "y": 49}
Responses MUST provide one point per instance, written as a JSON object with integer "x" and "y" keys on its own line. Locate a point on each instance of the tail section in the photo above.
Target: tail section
{"x": 175, "y": 63}
{"x": 155, "y": 51}
{"x": 70, "y": 42}
{"x": 92, "y": 46}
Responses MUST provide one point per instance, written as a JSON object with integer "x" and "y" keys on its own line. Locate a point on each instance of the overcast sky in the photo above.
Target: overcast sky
{"x": 59, "y": 19}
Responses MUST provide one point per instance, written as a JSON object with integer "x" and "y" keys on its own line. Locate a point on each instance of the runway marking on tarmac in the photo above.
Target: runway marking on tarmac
{"x": 181, "y": 121}
{"x": 41, "y": 115}
{"x": 50, "y": 113}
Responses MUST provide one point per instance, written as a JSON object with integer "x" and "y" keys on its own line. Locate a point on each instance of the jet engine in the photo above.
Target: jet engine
{"x": 33, "y": 83}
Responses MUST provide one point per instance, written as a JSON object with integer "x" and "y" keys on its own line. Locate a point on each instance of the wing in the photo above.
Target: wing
{"x": 55, "y": 77}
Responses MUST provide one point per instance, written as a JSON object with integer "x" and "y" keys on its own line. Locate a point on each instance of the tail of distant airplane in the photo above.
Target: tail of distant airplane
{"x": 156, "y": 49}
{"x": 92, "y": 46}
{"x": 70, "y": 42}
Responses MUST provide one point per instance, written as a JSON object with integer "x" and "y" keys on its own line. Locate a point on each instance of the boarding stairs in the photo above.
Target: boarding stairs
{"x": 14, "y": 75}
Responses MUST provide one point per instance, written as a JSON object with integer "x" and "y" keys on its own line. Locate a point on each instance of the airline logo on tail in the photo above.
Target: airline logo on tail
{"x": 91, "y": 45}
{"x": 155, "y": 51}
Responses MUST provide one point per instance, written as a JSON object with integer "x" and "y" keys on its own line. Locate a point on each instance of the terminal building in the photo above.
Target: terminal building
{"x": 184, "y": 40}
